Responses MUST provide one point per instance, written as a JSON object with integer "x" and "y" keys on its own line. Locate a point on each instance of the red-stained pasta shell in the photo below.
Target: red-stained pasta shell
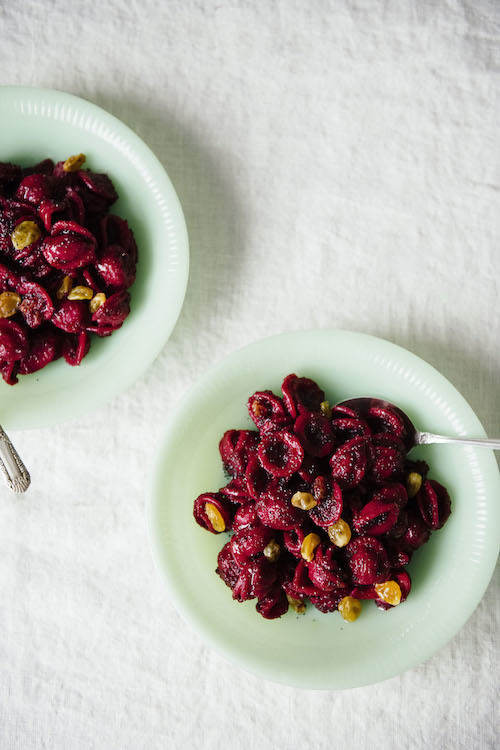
{"x": 294, "y": 537}
{"x": 9, "y": 371}
{"x": 227, "y": 447}
{"x": 399, "y": 528}
{"x": 310, "y": 468}
{"x": 346, "y": 428}
{"x": 36, "y": 306}
{"x": 257, "y": 479}
{"x": 302, "y": 583}
{"x": 69, "y": 247}
{"x": 324, "y": 571}
{"x": 280, "y": 453}
{"x": 116, "y": 268}
{"x": 75, "y": 347}
{"x": 340, "y": 410}
{"x": 417, "y": 533}
{"x": 328, "y": 495}
{"x": 72, "y": 316}
{"x": 113, "y": 230}
{"x": 349, "y": 462}
{"x": 50, "y": 211}
{"x": 245, "y": 516}
{"x": 315, "y": 433}
{"x": 404, "y": 580}
{"x": 387, "y": 459}
{"x": 221, "y": 504}
{"x": 44, "y": 347}
{"x": 32, "y": 260}
{"x": 385, "y": 419}
{"x": 398, "y": 552}
{"x": 114, "y": 311}
{"x": 35, "y": 188}
{"x": 45, "y": 166}
{"x": 376, "y": 517}
{"x": 276, "y": 511}
{"x": 434, "y": 504}
{"x": 13, "y": 340}
{"x": 301, "y": 393}
{"x": 73, "y": 206}
{"x": 255, "y": 580}
{"x": 367, "y": 560}
{"x": 236, "y": 447}
{"x": 235, "y": 491}
{"x": 274, "y": 604}
{"x": 250, "y": 542}
{"x": 10, "y": 175}
{"x": 100, "y": 186}
{"x": 227, "y": 567}
{"x": 268, "y": 411}
{"x": 394, "y": 492}
{"x": 9, "y": 280}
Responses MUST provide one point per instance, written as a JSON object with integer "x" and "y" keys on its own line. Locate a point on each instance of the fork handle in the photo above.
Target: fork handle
{"x": 15, "y": 473}
{"x": 427, "y": 438}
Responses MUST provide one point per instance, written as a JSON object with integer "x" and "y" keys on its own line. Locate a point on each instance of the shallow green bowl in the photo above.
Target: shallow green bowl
{"x": 40, "y": 123}
{"x": 449, "y": 574}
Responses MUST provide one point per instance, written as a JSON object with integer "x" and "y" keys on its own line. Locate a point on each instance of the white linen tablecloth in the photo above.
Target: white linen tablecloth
{"x": 337, "y": 163}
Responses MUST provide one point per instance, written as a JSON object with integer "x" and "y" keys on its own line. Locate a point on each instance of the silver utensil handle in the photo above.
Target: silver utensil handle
{"x": 427, "y": 438}
{"x": 15, "y": 472}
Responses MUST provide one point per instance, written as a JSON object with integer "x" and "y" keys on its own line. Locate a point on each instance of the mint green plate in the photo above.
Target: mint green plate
{"x": 449, "y": 574}
{"x": 39, "y": 123}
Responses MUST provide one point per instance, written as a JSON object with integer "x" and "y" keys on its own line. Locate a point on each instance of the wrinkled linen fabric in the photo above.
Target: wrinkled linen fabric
{"x": 337, "y": 163}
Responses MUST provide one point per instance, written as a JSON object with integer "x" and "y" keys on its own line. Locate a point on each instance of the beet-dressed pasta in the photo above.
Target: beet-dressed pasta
{"x": 323, "y": 505}
{"x": 66, "y": 264}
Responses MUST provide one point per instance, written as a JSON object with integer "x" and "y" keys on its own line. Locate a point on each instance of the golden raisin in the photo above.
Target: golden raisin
{"x": 215, "y": 517}
{"x": 9, "y": 302}
{"x": 303, "y": 500}
{"x": 272, "y": 550}
{"x": 97, "y": 301}
{"x": 81, "y": 292}
{"x": 258, "y": 410}
{"x": 297, "y": 604}
{"x": 326, "y": 409}
{"x": 25, "y": 234}
{"x": 65, "y": 287}
{"x": 74, "y": 163}
{"x": 413, "y": 484}
{"x": 389, "y": 592}
{"x": 340, "y": 533}
{"x": 308, "y": 546}
{"x": 350, "y": 608}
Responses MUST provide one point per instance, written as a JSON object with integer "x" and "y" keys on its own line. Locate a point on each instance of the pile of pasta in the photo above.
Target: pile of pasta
{"x": 66, "y": 264}
{"x": 323, "y": 503}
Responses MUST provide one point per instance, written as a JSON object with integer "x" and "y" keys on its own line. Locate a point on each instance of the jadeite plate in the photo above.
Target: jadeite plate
{"x": 450, "y": 573}
{"x": 38, "y": 123}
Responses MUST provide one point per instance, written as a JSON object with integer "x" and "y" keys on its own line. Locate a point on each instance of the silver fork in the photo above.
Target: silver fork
{"x": 15, "y": 473}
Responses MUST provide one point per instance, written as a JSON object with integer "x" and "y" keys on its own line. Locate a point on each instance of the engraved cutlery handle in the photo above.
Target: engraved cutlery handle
{"x": 15, "y": 472}
{"x": 428, "y": 438}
